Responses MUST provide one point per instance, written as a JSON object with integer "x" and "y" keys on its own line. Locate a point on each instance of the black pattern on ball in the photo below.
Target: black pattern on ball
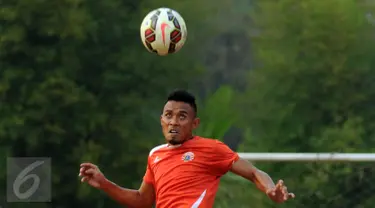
{"x": 172, "y": 18}
{"x": 150, "y": 32}
{"x": 154, "y": 19}
{"x": 175, "y": 36}
{"x": 170, "y": 15}
{"x": 172, "y": 48}
{"x": 150, "y": 47}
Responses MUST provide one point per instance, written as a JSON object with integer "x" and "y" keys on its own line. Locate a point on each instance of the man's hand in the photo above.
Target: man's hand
{"x": 91, "y": 174}
{"x": 279, "y": 193}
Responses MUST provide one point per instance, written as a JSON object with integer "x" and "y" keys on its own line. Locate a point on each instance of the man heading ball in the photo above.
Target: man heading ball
{"x": 185, "y": 172}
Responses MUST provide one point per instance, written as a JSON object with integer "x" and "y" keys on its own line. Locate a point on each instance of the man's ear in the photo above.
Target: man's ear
{"x": 196, "y": 123}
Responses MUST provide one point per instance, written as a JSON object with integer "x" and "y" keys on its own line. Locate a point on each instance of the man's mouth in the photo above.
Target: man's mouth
{"x": 173, "y": 131}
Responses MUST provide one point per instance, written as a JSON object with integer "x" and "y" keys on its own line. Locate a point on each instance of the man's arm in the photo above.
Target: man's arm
{"x": 278, "y": 193}
{"x": 226, "y": 159}
{"x": 142, "y": 198}
{"x": 261, "y": 179}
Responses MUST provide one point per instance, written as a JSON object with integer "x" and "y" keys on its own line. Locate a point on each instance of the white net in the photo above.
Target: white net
{"x": 316, "y": 185}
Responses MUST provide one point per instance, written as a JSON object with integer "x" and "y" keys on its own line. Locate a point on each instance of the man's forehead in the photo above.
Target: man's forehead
{"x": 177, "y": 106}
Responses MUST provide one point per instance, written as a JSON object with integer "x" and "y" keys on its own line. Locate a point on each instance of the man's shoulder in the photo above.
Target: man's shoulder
{"x": 155, "y": 149}
{"x": 206, "y": 141}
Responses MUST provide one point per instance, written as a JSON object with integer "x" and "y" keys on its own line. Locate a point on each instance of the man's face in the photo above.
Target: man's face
{"x": 178, "y": 122}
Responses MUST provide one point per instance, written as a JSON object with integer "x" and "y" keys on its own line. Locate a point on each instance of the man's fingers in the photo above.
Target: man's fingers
{"x": 90, "y": 171}
{"x": 286, "y": 196}
{"x": 281, "y": 191}
{"x": 84, "y": 179}
{"x": 285, "y": 190}
{"x": 271, "y": 192}
{"x": 88, "y": 165}
{"x": 83, "y": 172}
{"x": 279, "y": 184}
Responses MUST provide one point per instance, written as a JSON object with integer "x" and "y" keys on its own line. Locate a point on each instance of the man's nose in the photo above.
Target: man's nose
{"x": 173, "y": 121}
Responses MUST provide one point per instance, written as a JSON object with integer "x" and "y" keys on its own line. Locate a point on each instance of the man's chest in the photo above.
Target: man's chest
{"x": 177, "y": 164}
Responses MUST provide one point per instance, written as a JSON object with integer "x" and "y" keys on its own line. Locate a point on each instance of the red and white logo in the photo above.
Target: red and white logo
{"x": 188, "y": 156}
{"x": 163, "y": 26}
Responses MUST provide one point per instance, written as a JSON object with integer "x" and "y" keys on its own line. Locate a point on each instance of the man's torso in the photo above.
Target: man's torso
{"x": 186, "y": 175}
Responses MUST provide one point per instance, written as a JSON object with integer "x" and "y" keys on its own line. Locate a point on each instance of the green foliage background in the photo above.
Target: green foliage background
{"x": 76, "y": 84}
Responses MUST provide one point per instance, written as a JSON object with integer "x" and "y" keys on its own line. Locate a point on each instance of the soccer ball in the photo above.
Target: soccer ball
{"x": 163, "y": 31}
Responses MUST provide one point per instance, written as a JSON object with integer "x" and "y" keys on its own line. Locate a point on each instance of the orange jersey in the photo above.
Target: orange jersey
{"x": 187, "y": 176}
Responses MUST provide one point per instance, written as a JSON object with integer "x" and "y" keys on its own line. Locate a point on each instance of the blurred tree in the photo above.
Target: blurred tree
{"x": 215, "y": 114}
{"x": 226, "y": 54}
{"x": 77, "y": 85}
{"x": 312, "y": 91}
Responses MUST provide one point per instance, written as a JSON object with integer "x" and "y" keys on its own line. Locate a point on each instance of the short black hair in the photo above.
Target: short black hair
{"x": 183, "y": 96}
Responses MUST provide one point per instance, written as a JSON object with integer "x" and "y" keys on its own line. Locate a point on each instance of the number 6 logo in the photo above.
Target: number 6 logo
{"x": 22, "y": 177}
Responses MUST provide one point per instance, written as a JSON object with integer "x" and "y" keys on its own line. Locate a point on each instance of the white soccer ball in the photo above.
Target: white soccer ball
{"x": 163, "y": 31}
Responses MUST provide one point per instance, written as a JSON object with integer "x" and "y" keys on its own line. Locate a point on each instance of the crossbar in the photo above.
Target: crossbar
{"x": 311, "y": 157}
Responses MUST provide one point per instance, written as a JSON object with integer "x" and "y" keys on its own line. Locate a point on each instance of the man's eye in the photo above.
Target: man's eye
{"x": 182, "y": 116}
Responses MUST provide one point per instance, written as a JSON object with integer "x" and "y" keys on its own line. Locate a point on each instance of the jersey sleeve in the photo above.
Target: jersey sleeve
{"x": 223, "y": 158}
{"x": 149, "y": 176}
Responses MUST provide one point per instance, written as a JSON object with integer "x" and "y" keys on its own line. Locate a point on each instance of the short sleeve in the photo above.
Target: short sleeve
{"x": 223, "y": 158}
{"x": 149, "y": 176}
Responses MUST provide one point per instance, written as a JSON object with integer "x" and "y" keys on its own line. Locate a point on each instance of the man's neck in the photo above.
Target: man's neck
{"x": 177, "y": 145}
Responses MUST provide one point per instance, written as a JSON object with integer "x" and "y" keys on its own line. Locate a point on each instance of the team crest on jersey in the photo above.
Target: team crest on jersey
{"x": 188, "y": 156}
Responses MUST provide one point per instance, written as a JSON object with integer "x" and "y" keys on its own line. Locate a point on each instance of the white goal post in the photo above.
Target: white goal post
{"x": 311, "y": 157}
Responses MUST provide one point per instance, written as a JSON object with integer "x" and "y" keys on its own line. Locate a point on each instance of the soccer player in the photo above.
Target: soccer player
{"x": 184, "y": 172}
